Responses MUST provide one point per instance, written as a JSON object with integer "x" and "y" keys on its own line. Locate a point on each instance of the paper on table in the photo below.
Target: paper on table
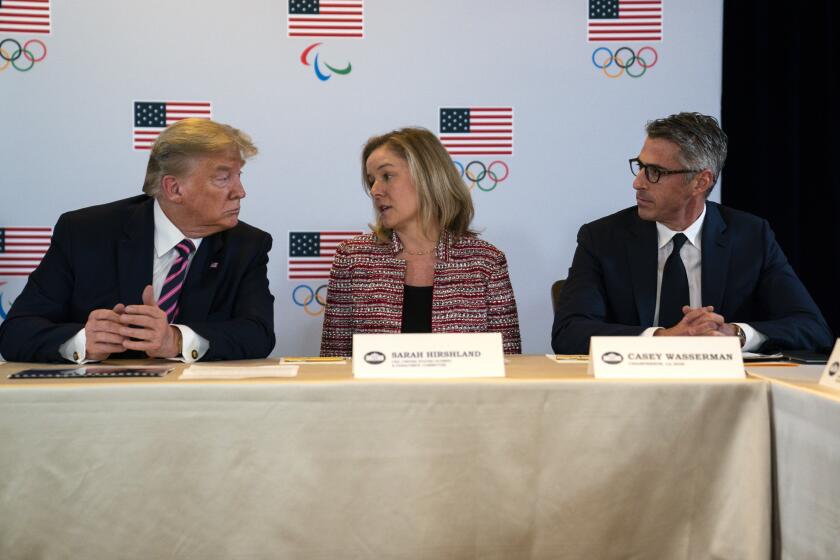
{"x": 216, "y": 371}
{"x": 568, "y": 358}
{"x": 755, "y": 356}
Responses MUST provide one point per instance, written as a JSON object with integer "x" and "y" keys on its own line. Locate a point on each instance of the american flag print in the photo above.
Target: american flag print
{"x": 311, "y": 253}
{"x": 25, "y": 17}
{"x": 22, "y": 248}
{"x": 480, "y": 131}
{"x": 624, "y": 20}
{"x": 326, "y": 18}
{"x": 151, "y": 117}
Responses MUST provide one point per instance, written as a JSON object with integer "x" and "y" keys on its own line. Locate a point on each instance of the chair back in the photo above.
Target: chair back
{"x": 556, "y": 288}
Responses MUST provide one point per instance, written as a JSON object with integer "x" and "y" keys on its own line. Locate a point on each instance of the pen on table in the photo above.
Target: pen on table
{"x": 313, "y": 359}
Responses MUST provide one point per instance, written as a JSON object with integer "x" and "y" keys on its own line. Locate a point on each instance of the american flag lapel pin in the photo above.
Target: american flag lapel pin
{"x": 214, "y": 264}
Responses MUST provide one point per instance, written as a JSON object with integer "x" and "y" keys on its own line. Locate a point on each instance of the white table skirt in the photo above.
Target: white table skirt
{"x": 806, "y": 425}
{"x": 477, "y": 469}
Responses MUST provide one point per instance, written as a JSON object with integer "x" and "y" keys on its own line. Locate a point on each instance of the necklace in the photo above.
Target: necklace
{"x": 429, "y": 252}
{"x": 418, "y": 253}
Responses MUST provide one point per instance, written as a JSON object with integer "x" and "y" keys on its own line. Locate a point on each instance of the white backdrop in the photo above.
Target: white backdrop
{"x": 66, "y": 123}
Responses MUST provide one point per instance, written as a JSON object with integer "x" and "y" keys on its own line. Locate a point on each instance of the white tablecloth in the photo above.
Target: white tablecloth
{"x": 348, "y": 469}
{"x": 806, "y": 425}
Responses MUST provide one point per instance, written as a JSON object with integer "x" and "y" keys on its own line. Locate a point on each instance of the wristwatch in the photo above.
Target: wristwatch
{"x": 739, "y": 332}
{"x": 193, "y": 352}
{"x": 180, "y": 343}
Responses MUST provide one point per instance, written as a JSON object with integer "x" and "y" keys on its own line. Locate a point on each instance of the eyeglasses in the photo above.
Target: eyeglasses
{"x": 653, "y": 172}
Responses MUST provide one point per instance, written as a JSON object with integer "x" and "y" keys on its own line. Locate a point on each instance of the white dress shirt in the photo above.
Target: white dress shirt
{"x": 691, "y": 254}
{"x": 167, "y": 236}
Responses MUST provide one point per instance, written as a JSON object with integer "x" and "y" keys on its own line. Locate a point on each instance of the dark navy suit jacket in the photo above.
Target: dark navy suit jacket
{"x": 103, "y": 255}
{"x": 611, "y": 288}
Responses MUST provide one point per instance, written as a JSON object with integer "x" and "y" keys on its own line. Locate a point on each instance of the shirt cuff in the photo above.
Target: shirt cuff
{"x": 74, "y": 349}
{"x": 649, "y": 331}
{"x": 754, "y": 338}
{"x": 193, "y": 346}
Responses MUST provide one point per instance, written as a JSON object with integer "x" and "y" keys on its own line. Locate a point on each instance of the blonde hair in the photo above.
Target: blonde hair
{"x": 181, "y": 142}
{"x": 443, "y": 198}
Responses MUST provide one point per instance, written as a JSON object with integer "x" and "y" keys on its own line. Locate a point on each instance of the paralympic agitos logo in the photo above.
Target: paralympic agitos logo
{"x": 333, "y": 19}
{"x": 323, "y": 70}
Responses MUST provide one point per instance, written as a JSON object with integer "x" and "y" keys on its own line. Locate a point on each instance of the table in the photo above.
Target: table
{"x": 546, "y": 463}
{"x": 806, "y": 460}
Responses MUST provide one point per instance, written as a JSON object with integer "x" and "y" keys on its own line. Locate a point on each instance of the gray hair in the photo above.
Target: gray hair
{"x": 699, "y": 137}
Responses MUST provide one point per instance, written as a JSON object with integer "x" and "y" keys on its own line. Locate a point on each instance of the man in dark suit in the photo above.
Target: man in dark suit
{"x": 171, "y": 273}
{"x": 727, "y": 276}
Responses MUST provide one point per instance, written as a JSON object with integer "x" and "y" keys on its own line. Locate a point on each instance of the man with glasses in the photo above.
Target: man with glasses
{"x": 677, "y": 264}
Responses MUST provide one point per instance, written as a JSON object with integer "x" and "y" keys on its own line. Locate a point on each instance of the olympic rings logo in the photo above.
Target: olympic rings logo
{"x": 624, "y": 59}
{"x": 316, "y": 65}
{"x": 476, "y": 172}
{"x": 11, "y": 59}
{"x": 307, "y": 298}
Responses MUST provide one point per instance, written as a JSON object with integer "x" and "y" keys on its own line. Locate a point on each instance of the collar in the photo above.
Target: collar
{"x": 167, "y": 234}
{"x": 443, "y": 246}
{"x": 692, "y": 232}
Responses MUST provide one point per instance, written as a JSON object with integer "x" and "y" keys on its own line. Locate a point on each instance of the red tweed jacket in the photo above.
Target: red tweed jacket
{"x": 471, "y": 292}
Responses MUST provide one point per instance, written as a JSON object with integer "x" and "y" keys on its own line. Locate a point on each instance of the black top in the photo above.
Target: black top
{"x": 417, "y": 309}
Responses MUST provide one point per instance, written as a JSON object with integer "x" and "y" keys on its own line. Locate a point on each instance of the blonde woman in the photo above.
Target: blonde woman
{"x": 421, "y": 269}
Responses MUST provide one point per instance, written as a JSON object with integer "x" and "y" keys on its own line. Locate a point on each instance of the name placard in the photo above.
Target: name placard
{"x": 432, "y": 355}
{"x": 831, "y": 374}
{"x": 678, "y": 357}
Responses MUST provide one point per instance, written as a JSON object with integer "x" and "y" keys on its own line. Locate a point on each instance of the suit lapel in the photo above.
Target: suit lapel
{"x": 642, "y": 252}
{"x": 135, "y": 254}
{"x": 716, "y": 252}
{"x": 202, "y": 279}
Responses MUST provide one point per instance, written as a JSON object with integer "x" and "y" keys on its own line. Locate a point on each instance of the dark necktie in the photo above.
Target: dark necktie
{"x": 674, "y": 293}
{"x": 168, "y": 300}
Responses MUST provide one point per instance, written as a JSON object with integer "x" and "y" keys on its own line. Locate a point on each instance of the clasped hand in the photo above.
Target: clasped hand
{"x": 133, "y": 327}
{"x": 699, "y": 321}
